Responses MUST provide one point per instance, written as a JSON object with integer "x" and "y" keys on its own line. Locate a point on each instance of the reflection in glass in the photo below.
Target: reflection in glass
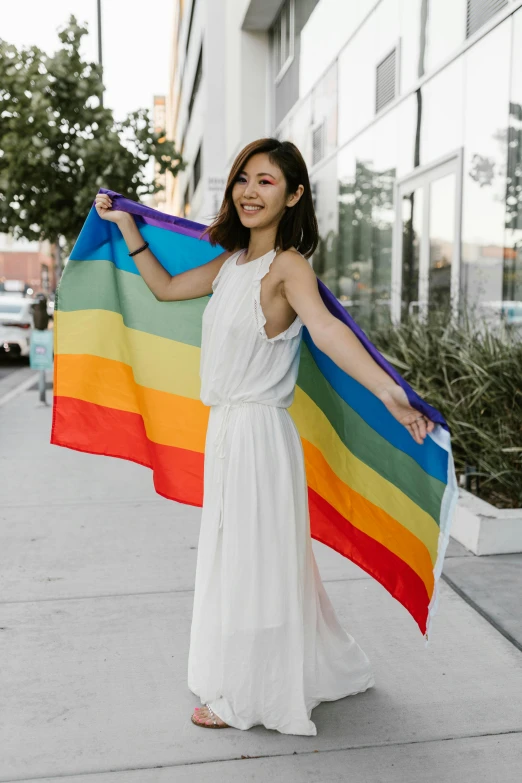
{"x": 442, "y": 113}
{"x": 486, "y": 106}
{"x": 357, "y": 81}
{"x": 442, "y": 237}
{"x": 299, "y": 129}
{"x": 324, "y": 193}
{"x": 324, "y": 108}
{"x": 512, "y": 277}
{"x": 412, "y": 208}
{"x": 287, "y": 30}
{"x": 446, "y": 29}
{"x": 365, "y": 235}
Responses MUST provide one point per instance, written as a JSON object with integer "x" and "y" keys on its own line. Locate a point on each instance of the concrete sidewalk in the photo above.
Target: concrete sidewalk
{"x": 96, "y": 577}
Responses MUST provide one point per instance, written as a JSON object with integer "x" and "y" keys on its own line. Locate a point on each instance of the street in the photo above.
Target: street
{"x": 9, "y": 364}
{"x": 97, "y": 577}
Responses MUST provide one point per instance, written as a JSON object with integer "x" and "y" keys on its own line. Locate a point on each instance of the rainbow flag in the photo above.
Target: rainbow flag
{"x": 126, "y": 384}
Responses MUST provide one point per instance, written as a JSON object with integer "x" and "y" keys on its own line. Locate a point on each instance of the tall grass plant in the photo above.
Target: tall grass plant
{"x": 473, "y": 374}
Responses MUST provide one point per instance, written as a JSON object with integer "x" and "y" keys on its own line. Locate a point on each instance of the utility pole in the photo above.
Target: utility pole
{"x": 100, "y": 59}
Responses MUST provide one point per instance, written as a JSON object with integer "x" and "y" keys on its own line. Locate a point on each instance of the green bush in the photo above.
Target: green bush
{"x": 474, "y": 377}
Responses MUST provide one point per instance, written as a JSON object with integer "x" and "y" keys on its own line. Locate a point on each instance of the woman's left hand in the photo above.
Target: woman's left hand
{"x": 397, "y": 403}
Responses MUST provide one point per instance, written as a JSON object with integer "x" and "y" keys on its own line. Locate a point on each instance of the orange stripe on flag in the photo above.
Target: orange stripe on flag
{"x": 169, "y": 420}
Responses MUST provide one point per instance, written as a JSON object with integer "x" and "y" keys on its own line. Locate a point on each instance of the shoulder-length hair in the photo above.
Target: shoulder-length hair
{"x": 298, "y": 226}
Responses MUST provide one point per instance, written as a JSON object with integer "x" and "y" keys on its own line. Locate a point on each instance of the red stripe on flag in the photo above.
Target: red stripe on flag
{"x": 332, "y": 529}
{"x": 177, "y": 473}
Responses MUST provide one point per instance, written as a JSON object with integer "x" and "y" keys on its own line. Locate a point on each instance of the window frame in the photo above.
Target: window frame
{"x": 280, "y": 37}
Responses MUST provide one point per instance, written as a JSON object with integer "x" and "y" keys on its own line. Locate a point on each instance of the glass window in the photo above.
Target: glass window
{"x": 512, "y": 277}
{"x": 446, "y": 30}
{"x": 387, "y": 26}
{"x": 283, "y": 34}
{"x": 10, "y": 308}
{"x": 325, "y": 193}
{"x": 366, "y": 216}
{"x": 407, "y": 114}
{"x": 442, "y": 239}
{"x": 411, "y": 63}
{"x": 299, "y": 129}
{"x": 430, "y": 31}
{"x": 486, "y": 107}
{"x": 442, "y": 112}
{"x": 412, "y": 214}
{"x": 357, "y": 65}
{"x": 328, "y": 28}
{"x": 324, "y": 109}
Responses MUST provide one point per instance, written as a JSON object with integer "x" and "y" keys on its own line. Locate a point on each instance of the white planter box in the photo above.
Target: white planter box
{"x": 485, "y": 529}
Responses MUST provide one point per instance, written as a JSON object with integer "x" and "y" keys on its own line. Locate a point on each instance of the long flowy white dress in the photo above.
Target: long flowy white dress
{"x": 265, "y": 644}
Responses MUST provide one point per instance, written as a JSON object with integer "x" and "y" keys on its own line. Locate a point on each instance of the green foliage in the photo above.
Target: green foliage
{"x": 58, "y": 145}
{"x": 474, "y": 377}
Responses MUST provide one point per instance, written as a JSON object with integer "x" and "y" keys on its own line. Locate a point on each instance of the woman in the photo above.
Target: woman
{"x": 266, "y": 646}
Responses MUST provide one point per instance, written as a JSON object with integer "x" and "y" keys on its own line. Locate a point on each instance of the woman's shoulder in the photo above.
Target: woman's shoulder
{"x": 290, "y": 261}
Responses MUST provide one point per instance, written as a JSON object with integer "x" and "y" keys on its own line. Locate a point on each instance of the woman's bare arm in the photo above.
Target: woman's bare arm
{"x": 338, "y": 342}
{"x": 166, "y": 287}
{"x": 169, "y": 288}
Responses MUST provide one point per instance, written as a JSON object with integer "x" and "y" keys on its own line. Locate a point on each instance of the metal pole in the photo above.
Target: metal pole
{"x": 58, "y": 261}
{"x": 100, "y": 58}
{"x": 41, "y": 386}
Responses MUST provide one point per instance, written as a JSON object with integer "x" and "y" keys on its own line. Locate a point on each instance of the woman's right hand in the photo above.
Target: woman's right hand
{"x": 103, "y": 206}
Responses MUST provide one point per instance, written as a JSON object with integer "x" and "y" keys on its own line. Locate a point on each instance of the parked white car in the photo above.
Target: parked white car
{"x": 16, "y": 324}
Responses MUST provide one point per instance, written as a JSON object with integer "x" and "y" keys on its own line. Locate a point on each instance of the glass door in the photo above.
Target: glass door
{"x": 426, "y": 262}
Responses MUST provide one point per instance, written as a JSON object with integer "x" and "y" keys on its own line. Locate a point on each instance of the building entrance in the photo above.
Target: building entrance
{"x": 426, "y": 258}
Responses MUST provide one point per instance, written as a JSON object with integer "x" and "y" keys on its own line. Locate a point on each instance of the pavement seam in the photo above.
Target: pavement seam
{"x": 23, "y": 386}
{"x": 482, "y": 612}
{"x": 129, "y": 595}
{"x": 85, "y": 502}
{"x": 93, "y": 597}
{"x": 267, "y": 756}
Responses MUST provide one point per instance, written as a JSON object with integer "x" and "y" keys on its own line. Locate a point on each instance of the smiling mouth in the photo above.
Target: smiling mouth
{"x": 251, "y": 209}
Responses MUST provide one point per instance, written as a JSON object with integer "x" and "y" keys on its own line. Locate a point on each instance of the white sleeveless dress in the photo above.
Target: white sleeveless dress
{"x": 265, "y": 645}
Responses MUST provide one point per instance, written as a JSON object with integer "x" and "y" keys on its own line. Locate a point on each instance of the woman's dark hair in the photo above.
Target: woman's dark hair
{"x": 298, "y": 226}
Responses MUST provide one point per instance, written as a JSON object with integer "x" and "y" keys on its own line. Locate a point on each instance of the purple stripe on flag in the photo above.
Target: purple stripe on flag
{"x": 154, "y": 217}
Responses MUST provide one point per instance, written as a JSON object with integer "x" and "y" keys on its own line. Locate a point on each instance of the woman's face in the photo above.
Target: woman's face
{"x": 259, "y": 193}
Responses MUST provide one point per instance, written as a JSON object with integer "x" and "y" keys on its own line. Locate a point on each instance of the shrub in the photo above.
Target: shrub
{"x": 474, "y": 377}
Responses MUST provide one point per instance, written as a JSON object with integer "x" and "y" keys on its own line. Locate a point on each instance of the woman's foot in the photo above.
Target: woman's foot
{"x": 205, "y": 716}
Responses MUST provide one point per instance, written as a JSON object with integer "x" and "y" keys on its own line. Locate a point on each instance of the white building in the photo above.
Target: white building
{"x": 409, "y": 116}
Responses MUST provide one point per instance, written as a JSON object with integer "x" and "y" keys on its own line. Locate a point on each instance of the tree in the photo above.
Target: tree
{"x": 59, "y": 145}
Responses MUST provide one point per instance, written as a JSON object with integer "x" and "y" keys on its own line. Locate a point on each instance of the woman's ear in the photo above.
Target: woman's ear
{"x": 295, "y": 197}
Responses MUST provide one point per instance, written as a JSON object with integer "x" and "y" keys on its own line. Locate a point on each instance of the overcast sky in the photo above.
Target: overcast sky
{"x": 136, "y": 42}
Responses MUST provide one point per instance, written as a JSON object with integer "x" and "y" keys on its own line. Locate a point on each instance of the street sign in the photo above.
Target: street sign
{"x": 41, "y": 349}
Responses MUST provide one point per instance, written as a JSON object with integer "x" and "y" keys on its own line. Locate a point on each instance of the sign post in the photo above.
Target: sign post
{"x": 41, "y": 356}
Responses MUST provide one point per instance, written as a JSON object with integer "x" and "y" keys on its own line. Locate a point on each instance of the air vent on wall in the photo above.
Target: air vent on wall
{"x": 386, "y": 80}
{"x": 479, "y": 11}
{"x": 318, "y": 144}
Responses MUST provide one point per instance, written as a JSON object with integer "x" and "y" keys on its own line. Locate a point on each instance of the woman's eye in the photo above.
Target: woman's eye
{"x": 261, "y": 181}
